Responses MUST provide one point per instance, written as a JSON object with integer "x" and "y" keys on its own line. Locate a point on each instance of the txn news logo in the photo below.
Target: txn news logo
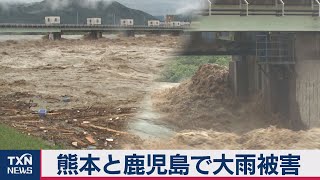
{"x": 19, "y": 165}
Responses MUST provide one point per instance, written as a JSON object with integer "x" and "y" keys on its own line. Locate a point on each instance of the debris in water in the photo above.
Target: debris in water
{"x": 66, "y": 99}
{"x": 42, "y": 113}
{"x": 90, "y": 139}
{"x": 75, "y": 144}
{"x": 91, "y": 148}
{"x": 206, "y": 101}
{"x": 109, "y": 139}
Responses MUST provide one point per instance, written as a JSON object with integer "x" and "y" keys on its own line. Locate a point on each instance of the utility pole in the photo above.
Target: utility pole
{"x": 77, "y": 17}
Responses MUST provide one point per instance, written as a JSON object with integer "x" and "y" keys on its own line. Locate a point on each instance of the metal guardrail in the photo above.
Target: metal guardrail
{"x": 317, "y": 2}
{"x": 84, "y": 26}
{"x": 210, "y": 6}
{"x": 247, "y": 6}
{"x": 262, "y": 9}
{"x": 282, "y": 6}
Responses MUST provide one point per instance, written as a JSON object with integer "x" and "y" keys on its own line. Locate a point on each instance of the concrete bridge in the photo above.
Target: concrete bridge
{"x": 275, "y": 45}
{"x": 94, "y": 30}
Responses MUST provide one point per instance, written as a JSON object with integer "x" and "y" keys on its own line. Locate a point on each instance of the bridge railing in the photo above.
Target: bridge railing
{"x": 79, "y": 26}
{"x": 266, "y": 7}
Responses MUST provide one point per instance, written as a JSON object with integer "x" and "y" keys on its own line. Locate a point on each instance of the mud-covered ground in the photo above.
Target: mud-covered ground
{"x": 89, "y": 88}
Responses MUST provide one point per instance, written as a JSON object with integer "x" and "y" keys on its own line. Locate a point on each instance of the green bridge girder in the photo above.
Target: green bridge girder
{"x": 16, "y": 28}
{"x": 229, "y": 23}
{"x": 29, "y": 30}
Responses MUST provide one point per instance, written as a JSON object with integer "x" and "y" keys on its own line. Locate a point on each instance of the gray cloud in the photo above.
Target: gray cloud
{"x": 4, "y": 5}
{"x": 155, "y": 7}
{"x": 55, "y": 4}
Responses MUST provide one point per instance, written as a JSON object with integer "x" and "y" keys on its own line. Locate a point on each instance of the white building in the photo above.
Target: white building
{"x": 126, "y": 22}
{"x": 153, "y": 23}
{"x": 93, "y": 21}
{"x": 52, "y": 19}
{"x": 175, "y": 23}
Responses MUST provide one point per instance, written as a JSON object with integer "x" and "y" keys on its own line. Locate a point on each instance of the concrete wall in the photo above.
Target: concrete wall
{"x": 308, "y": 78}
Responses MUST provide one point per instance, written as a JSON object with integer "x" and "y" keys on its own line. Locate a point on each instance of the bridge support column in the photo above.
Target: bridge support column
{"x": 99, "y": 35}
{"x": 154, "y": 33}
{"x": 176, "y": 33}
{"x": 54, "y": 36}
{"x": 129, "y": 33}
{"x": 95, "y": 35}
{"x": 57, "y": 36}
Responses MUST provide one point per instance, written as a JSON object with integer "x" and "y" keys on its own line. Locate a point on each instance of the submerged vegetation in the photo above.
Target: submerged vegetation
{"x": 184, "y": 67}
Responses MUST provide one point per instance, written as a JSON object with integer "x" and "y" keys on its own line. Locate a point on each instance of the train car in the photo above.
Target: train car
{"x": 175, "y": 24}
{"x": 186, "y": 24}
{"x": 126, "y": 22}
{"x": 93, "y": 21}
{"x": 52, "y": 20}
{"x": 152, "y": 23}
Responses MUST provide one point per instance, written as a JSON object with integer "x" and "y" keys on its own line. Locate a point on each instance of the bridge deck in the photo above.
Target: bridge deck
{"x": 75, "y": 27}
{"x": 260, "y": 15}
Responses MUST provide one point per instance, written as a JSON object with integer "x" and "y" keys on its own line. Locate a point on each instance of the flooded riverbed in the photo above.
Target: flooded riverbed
{"x": 147, "y": 123}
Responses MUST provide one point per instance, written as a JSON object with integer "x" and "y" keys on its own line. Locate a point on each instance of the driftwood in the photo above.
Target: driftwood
{"x": 32, "y": 122}
{"x": 90, "y": 139}
{"x": 80, "y": 143}
{"x": 108, "y": 129}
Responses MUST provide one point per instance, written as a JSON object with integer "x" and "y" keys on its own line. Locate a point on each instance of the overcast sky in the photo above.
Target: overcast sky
{"x": 154, "y": 7}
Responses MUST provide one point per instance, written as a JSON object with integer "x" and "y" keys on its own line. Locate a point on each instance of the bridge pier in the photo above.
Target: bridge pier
{"x": 154, "y": 33}
{"x": 94, "y": 35}
{"x": 54, "y": 36}
{"x": 176, "y": 33}
{"x": 128, "y": 33}
{"x": 99, "y": 35}
{"x": 57, "y": 36}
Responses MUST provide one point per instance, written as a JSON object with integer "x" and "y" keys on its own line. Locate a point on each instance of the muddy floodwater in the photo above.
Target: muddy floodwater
{"x": 147, "y": 123}
{"x": 92, "y": 89}
{"x": 105, "y": 94}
